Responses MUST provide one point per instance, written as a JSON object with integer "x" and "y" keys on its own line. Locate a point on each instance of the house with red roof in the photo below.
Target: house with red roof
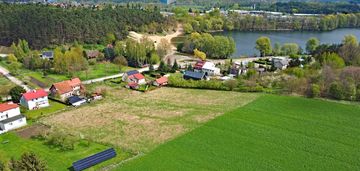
{"x": 10, "y": 117}
{"x": 161, "y": 81}
{"x": 35, "y": 99}
{"x": 134, "y": 76}
{"x": 66, "y": 89}
{"x": 137, "y": 78}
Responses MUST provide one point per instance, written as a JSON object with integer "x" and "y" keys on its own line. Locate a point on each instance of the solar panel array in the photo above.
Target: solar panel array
{"x": 94, "y": 159}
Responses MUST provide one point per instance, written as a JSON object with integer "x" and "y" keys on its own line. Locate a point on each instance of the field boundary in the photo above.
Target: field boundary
{"x": 113, "y": 166}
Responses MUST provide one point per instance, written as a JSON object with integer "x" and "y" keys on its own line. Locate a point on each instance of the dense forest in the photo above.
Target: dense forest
{"x": 44, "y": 25}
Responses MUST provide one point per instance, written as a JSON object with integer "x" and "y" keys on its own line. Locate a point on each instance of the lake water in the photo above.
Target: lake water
{"x": 245, "y": 41}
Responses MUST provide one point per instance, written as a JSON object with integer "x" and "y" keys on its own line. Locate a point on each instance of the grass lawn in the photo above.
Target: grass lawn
{"x": 35, "y": 114}
{"x": 139, "y": 121}
{"x": 5, "y": 86}
{"x": 271, "y": 133}
{"x": 55, "y": 159}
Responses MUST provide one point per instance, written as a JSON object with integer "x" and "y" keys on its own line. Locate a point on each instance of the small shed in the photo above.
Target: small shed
{"x": 161, "y": 81}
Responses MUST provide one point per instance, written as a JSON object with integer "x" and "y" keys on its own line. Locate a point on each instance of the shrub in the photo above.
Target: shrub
{"x": 335, "y": 91}
{"x": 358, "y": 93}
{"x": 28, "y": 161}
{"x": 200, "y": 84}
{"x": 231, "y": 84}
{"x": 2, "y": 166}
{"x": 61, "y": 140}
{"x": 314, "y": 90}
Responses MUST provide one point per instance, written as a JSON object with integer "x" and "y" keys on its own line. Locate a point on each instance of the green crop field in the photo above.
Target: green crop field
{"x": 271, "y": 133}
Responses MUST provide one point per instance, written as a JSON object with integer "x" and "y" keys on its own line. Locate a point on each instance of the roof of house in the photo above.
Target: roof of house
{"x": 209, "y": 66}
{"x": 12, "y": 119}
{"x": 139, "y": 76}
{"x": 34, "y": 94}
{"x": 199, "y": 64}
{"x": 132, "y": 72}
{"x": 162, "y": 80}
{"x": 7, "y": 106}
{"x": 67, "y": 86}
{"x": 133, "y": 84}
{"x": 191, "y": 74}
{"x": 74, "y": 99}
{"x": 48, "y": 54}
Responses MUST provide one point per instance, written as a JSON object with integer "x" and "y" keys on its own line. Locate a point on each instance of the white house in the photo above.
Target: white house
{"x": 35, "y": 99}
{"x": 10, "y": 117}
{"x": 66, "y": 89}
{"x": 209, "y": 69}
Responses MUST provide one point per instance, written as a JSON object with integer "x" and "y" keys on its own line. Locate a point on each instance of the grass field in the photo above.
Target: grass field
{"x": 141, "y": 121}
{"x": 5, "y": 86}
{"x": 271, "y": 133}
{"x": 55, "y": 159}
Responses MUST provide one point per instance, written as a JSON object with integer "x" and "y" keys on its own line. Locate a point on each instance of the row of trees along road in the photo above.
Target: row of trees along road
{"x": 43, "y": 25}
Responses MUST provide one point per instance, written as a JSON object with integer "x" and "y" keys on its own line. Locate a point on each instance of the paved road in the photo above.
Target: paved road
{"x": 7, "y": 74}
{"x": 114, "y": 76}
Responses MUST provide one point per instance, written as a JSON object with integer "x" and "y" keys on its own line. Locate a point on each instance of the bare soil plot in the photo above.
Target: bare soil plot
{"x": 141, "y": 121}
{"x": 33, "y": 130}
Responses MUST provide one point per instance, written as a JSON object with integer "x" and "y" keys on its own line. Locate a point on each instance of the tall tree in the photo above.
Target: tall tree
{"x": 263, "y": 44}
{"x": 312, "y": 44}
{"x": 16, "y": 93}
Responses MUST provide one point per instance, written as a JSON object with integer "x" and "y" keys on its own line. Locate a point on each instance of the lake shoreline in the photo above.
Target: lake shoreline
{"x": 246, "y": 40}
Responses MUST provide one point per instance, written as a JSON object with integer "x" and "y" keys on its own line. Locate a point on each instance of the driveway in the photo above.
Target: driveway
{"x": 7, "y": 74}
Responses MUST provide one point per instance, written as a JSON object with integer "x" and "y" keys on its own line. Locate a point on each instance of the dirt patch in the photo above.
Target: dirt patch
{"x": 37, "y": 82}
{"x": 32, "y": 131}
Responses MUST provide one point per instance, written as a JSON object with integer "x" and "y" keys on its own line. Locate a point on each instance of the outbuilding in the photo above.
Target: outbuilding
{"x": 194, "y": 75}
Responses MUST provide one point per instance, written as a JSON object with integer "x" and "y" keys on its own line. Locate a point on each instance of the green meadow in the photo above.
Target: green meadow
{"x": 271, "y": 133}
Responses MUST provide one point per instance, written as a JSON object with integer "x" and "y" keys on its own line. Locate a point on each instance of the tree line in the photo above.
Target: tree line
{"x": 43, "y": 25}
{"x": 234, "y": 21}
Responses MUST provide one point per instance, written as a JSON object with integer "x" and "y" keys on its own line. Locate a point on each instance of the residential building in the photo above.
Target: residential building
{"x": 280, "y": 63}
{"x": 127, "y": 74}
{"x": 208, "y": 68}
{"x": 66, "y": 89}
{"x": 35, "y": 99}
{"x": 137, "y": 78}
{"x": 10, "y": 117}
{"x": 134, "y": 76}
{"x": 47, "y": 55}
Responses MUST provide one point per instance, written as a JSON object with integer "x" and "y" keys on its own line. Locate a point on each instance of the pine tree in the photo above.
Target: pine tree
{"x": 175, "y": 66}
